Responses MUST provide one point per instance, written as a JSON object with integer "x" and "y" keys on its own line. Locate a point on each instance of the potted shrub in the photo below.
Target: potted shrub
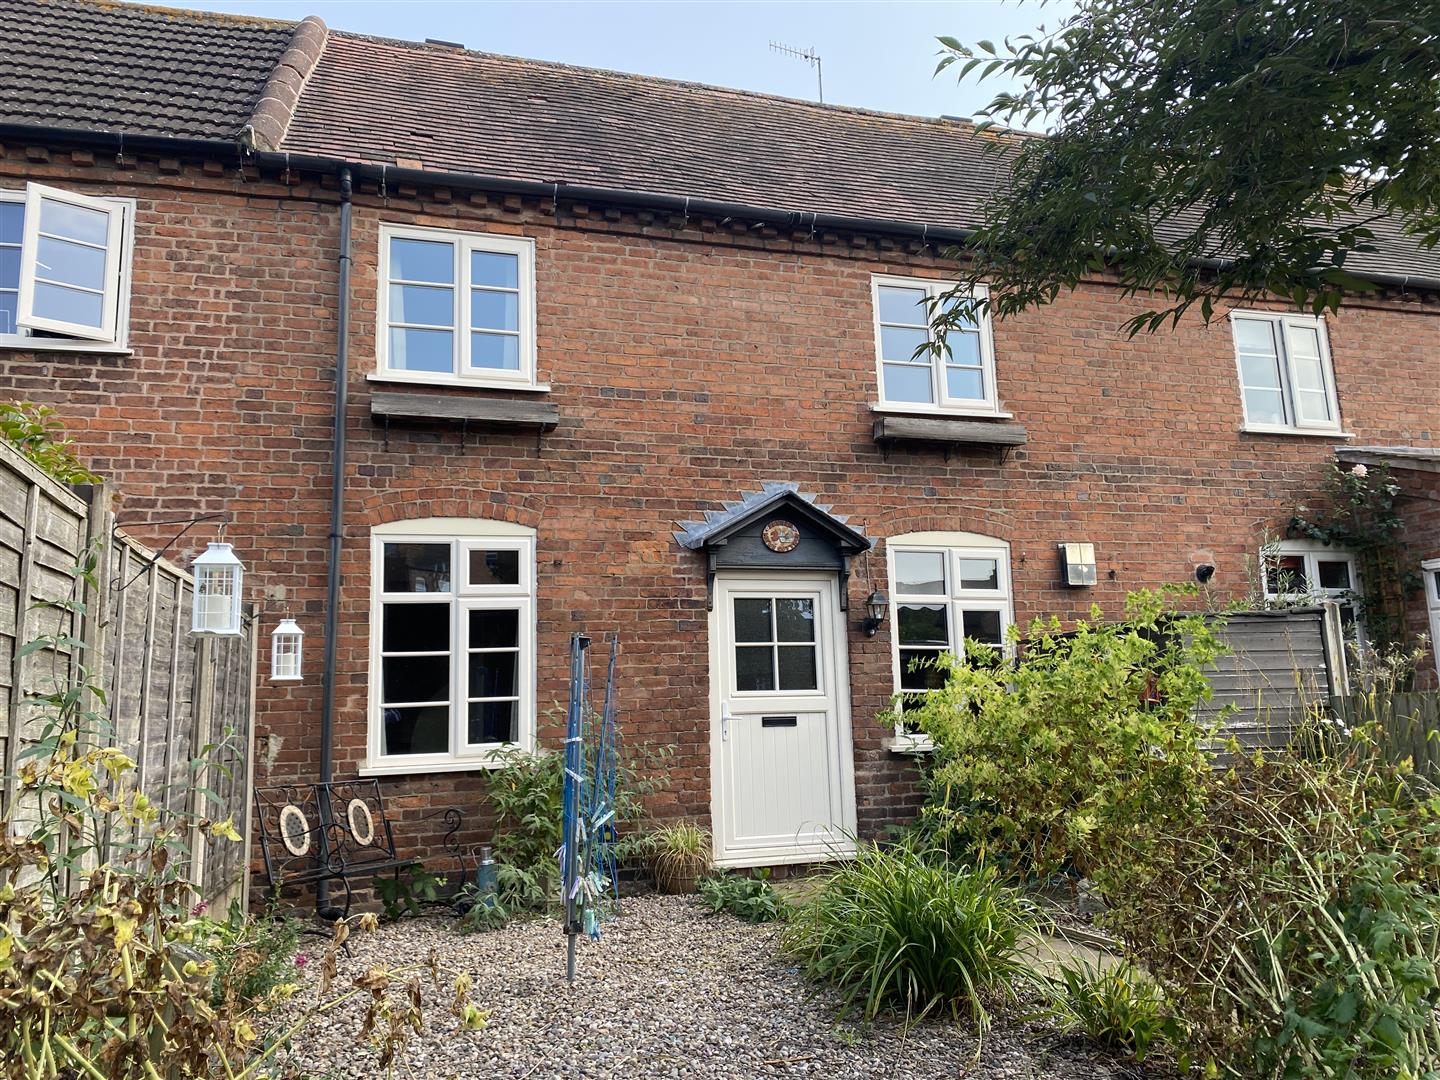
{"x": 679, "y": 855}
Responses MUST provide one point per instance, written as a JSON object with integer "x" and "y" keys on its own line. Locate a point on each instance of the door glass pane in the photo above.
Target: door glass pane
{"x": 415, "y": 678}
{"x": 795, "y": 618}
{"x": 494, "y": 567}
{"x": 416, "y": 568}
{"x": 74, "y": 222}
{"x": 495, "y": 268}
{"x": 924, "y": 624}
{"x": 422, "y": 350}
{"x": 903, "y": 306}
{"x": 493, "y": 674}
{"x": 754, "y": 667}
{"x": 908, "y": 383}
{"x": 1333, "y": 573}
{"x": 422, "y": 260}
{"x": 1264, "y": 407}
{"x": 979, "y": 574}
{"x": 422, "y": 304}
{"x": 918, "y": 670}
{"x": 752, "y": 619}
{"x": 415, "y": 628}
{"x": 496, "y": 352}
{"x": 494, "y": 628}
{"x": 424, "y": 730}
{"x": 900, "y": 343}
{"x": 69, "y": 305}
{"x": 797, "y": 667}
{"x": 984, "y": 627}
{"x": 491, "y": 721}
{"x": 920, "y": 572}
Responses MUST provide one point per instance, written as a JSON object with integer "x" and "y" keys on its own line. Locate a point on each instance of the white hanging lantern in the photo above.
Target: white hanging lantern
{"x": 218, "y": 575}
{"x": 286, "y": 642}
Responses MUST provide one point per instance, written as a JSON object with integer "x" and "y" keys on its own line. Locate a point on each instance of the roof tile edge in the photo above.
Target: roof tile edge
{"x": 273, "y": 113}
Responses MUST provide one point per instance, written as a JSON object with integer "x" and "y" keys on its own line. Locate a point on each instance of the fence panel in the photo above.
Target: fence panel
{"x": 1276, "y": 669}
{"x": 169, "y": 693}
{"x": 1409, "y": 725}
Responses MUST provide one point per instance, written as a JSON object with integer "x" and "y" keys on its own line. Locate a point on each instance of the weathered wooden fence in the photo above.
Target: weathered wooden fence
{"x": 169, "y": 694}
{"x": 1409, "y": 725}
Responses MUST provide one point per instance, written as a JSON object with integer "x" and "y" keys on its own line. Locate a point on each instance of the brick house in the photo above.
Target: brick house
{"x": 623, "y": 356}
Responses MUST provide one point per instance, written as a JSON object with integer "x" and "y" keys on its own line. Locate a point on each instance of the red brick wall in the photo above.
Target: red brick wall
{"x": 690, "y": 362}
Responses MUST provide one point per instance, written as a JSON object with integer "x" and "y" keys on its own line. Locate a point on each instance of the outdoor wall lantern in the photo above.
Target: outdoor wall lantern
{"x": 218, "y": 577}
{"x": 876, "y": 605}
{"x": 287, "y": 642}
{"x": 1077, "y": 563}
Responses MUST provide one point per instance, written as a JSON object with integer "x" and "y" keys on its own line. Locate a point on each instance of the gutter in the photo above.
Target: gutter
{"x": 681, "y": 204}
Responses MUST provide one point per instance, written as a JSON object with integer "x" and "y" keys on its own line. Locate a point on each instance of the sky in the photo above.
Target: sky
{"x": 875, "y": 55}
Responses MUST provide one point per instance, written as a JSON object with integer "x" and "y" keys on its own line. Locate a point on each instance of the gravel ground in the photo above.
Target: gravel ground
{"x": 666, "y": 992}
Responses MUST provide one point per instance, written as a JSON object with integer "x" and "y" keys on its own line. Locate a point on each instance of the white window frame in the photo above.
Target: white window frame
{"x": 461, "y": 374}
{"x": 1313, "y": 552}
{"x": 464, "y": 535}
{"x": 953, "y": 546}
{"x": 943, "y": 404}
{"x": 1281, "y": 324}
{"x": 120, "y": 243}
{"x": 1428, "y": 570}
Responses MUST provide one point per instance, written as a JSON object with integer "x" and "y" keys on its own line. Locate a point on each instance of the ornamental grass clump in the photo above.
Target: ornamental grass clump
{"x": 1084, "y": 745}
{"x": 1116, "y": 1007}
{"x": 897, "y": 929}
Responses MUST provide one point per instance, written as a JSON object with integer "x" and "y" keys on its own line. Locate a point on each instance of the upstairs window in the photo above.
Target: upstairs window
{"x": 456, "y": 307}
{"x": 1286, "y": 381}
{"x": 64, "y": 269}
{"x": 961, "y": 378}
{"x": 452, "y": 644}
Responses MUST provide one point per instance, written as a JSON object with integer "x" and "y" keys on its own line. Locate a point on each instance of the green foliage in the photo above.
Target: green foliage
{"x": 1084, "y": 745}
{"x": 901, "y": 929}
{"x": 406, "y": 891}
{"x": 252, "y": 958}
{"x": 1362, "y": 517}
{"x": 679, "y": 854}
{"x": 1116, "y": 1007}
{"x": 480, "y": 913}
{"x": 34, "y": 431}
{"x": 1297, "y": 933}
{"x": 1272, "y": 134}
{"x": 749, "y": 897}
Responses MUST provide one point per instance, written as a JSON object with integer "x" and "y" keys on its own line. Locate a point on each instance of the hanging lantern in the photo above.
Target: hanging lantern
{"x": 286, "y": 642}
{"x": 218, "y": 574}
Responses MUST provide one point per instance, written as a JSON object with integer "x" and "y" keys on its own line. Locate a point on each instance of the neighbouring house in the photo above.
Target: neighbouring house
{"x": 623, "y": 356}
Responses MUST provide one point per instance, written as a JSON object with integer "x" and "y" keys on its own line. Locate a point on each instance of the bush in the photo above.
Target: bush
{"x": 1297, "y": 933}
{"x": 751, "y": 898}
{"x": 898, "y": 929}
{"x": 1118, "y": 1008}
{"x": 252, "y": 958}
{"x": 1084, "y": 745}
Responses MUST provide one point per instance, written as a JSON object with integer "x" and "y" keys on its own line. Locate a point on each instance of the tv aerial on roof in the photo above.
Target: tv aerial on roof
{"x": 810, "y": 56}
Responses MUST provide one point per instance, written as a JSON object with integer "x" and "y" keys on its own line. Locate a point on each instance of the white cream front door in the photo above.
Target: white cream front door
{"x": 782, "y": 772}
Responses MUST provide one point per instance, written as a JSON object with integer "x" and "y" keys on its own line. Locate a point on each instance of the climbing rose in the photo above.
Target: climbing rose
{"x": 1360, "y": 471}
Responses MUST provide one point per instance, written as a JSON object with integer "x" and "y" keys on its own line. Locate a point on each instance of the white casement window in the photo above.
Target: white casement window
{"x": 1309, "y": 572}
{"x": 64, "y": 269}
{"x": 945, "y": 589}
{"x": 456, "y": 308}
{"x": 1430, "y": 570}
{"x": 1286, "y": 380}
{"x": 911, "y": 375}
{"x": 452, "y": 643}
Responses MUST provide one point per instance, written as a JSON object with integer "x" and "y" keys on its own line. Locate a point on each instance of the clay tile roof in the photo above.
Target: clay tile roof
{"x": 97, "y": 65}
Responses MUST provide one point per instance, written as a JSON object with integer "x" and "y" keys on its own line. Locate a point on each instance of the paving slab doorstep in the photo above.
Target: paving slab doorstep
{"x": 666, "y": 992}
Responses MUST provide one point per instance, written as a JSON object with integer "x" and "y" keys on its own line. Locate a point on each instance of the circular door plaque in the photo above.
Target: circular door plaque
{"x": 780, "y": 536}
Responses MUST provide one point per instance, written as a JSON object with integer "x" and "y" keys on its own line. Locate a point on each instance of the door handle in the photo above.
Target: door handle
{"x": 725, "y": 719}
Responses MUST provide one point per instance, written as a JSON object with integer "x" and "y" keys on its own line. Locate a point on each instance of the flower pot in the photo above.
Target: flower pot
{"x": 677, "y": 879}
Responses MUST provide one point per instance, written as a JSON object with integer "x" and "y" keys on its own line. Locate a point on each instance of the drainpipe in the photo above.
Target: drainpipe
{"x": 337, "y": 520}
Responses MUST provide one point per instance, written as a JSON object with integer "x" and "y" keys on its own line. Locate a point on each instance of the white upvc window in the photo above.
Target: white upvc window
{"x": 64, "y": 269}
{"x": 452, "y": 644}
{"x": 911, "y": 375}
{"x": 1287, "y": 383}
{"x": 456, "y": 308}
{"x": 1309, "y": 572}
{"x": 945, "y": 589}
{"x": 1430, "y": 570}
